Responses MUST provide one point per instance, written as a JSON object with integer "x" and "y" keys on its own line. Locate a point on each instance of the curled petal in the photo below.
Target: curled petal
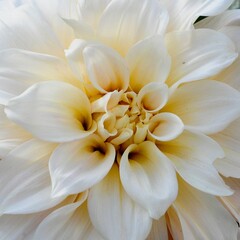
{"x": 113, "y": 213}
{"x": 123, "y": 23}
{"x": 106, "y": 125}
{"x": 149, "y": 62}
{"x": 53, "y": 111}
{"x": 106, "y": 102}
{"x": 144, "y": 169}
{"x": 77, "y": 166}
{"x": 165, "y": 126}
{"x": 104, "y": 67}
{"x": 153, "y": 97}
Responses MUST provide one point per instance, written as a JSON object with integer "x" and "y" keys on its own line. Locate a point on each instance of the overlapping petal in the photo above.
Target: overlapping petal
{"x": 77, "y": 166}
{"x": 109, "y": 205}
{"x": 143, "y": 168}
{"x": 193, "y": 155}
{"x": 206, "y": 106}
{"x": 123, "y": 23}
{"x": 27, "y": 186}
{"x": 184, "y": 13}
{"x": 198, "y": 54}
{"x": 149, "y": 62}
{"x": 197, "y": 221}
{"x": 101, "y": 65}
{"x": 53, "y": 111}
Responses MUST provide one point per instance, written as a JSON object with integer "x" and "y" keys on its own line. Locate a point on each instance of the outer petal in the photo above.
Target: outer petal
{"x": 159, "y": 230}
{"x": 113, "y": 213}
{"x": 206, "y": 106}
{"x": 26, "y": 28}
{"x": 53, "y": 111}
{"x": 198, "y": 54}
{"x": 123, "y": 23}
{"x": 232, "y": 202}
{"x": 143, "y": 168}
{"x": 229, "y": 139}
{"x": 193, "y": 155}
{"x": 77, "y": 166}
{"x": 68, "y": 222}
{"x": 29, "y": 68}
{"x": 148, "y": 61}
{"x": 185, "y": 12}
{"x": 202, "y": 216}
{"x": 11, "y": 135}
{"x": 26, "y": 185}
{"x": 104, "y": 67}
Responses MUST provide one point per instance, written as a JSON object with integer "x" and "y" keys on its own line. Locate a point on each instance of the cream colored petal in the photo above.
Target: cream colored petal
{"x": 165, "y": 126}
{"x": 26, "y": 28}
{"x": 140, "y": 133}
{"x": 229, "y": 139}
{"x": 232, "y": 202}
{"x": 227, "y": 18}
{"x": 68, "y": 222}
{"x": 202, "y": 216}
{"x": 123, "y": 23}
{"x": 106, "y": 126}
{"x": 185, "y": 12}
{"x": 193, "y": 155}
{"x": 144, "y": 169}
{"x": 207, "y": 106}
{"x": 53, "y": 111}
{"x": 153, "y": 96}
{"x": 149, "y": 62}
{"x": 113, "y": 213}
{"x": 106, "y": 102}
{"x": 29, "y": 68}
{"x": 25, "y": 181}
{"x": 101, "y": 65}
{"x": 159, "y": 230}
{"x": 198, "y": 54}
{"x": 77, "y": 166}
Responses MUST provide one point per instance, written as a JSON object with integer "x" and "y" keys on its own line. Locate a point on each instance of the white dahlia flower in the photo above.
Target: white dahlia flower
{"x": 119, "y": 120}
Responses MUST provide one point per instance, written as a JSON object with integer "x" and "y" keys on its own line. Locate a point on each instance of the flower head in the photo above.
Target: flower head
{"x": 117, "y": 119}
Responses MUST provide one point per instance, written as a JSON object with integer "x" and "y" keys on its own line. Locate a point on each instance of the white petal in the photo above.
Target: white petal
{"x": 144, "y": 169}
{"x": 106, "y": 102}
{"x": 206, "y": 106}
{"x": 50, "y": 13}
{"x": 123, "y": 23}
{"x": 202, "y": 216}
{"x": 77, "y": 166}
{"x": 198, "y": 54}
{"x": 153, "y": 96}
{"x": 193, "y": 155}
{"x": 227, "y": 18}
{"x": 25, "y": 28}
{"x": 26, "y": 184}
{"x": 159, "y": 230}
{"x": 232, "y": 202}
{"x": 53, "y": 111}
{"x": 165, "y": 126}
{"x": 149, "y": 61}
{"x": 104, "y": 67}
{"x": 68, "y": 222}
{"x": 229, "y": 139}
{"x": 185, "y": 12}
{"x": 29, "y": 68}
{"x": 113, "y": 213}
